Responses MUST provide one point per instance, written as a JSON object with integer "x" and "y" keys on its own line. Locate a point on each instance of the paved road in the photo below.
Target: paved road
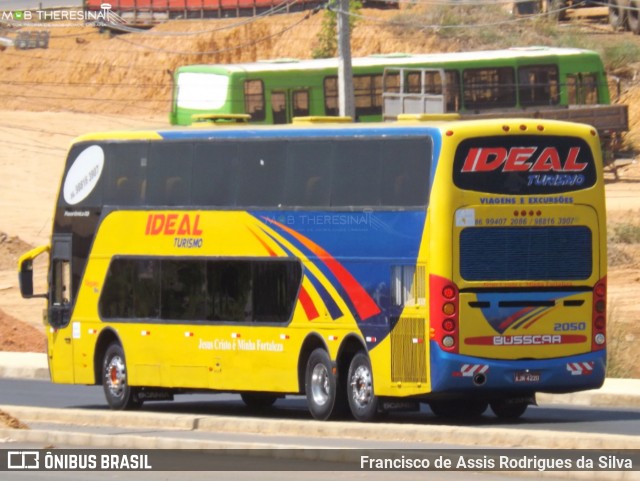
{"x": 603, "y": 420}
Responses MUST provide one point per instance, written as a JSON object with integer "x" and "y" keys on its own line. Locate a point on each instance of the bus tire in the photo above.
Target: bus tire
{"x": 506, "y": 409}
{"x": 458, "y": 408}
{"x": 633, "y": 16}
{"x": 119, "y": 394}
{"x": 321, "y": 385}
{"x": 617, "y": 15}
{"x": 362, "y": 400}
{"x": 258, "y": 401}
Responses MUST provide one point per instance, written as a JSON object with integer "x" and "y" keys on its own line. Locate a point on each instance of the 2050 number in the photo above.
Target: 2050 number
{"x": 569, "y": 326}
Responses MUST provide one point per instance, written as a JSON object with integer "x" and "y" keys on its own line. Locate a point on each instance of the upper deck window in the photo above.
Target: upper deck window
{"x": 333, "y": 172}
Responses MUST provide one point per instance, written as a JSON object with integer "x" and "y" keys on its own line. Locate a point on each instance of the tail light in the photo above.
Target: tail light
{"x": 599, "y": 316}
{"x": 444, "y": 313}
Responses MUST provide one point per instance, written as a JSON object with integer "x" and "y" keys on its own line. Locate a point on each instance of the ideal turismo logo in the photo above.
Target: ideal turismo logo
{"x": 54, "y": 16}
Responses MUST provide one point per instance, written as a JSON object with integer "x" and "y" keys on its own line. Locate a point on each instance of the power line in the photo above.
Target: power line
{"x": 215, "y": 52}
{"x": 285, "y": 5}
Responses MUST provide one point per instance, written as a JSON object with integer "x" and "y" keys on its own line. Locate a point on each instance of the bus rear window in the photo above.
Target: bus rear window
{"x": 526, "y": 253}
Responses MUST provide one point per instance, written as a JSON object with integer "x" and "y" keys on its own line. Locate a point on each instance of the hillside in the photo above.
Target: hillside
{"x": 87, "y": 80}
{"x": 84, "y": 70}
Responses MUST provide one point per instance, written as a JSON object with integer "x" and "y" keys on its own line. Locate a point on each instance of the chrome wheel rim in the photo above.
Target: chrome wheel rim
{"x": 361, "y": 387}
{"x": 320, "y": 386}
{"x": 116, "y": 377}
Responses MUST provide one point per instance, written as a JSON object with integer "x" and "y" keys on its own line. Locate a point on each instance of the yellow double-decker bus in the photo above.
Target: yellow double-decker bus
{"x": 367, "y": 266}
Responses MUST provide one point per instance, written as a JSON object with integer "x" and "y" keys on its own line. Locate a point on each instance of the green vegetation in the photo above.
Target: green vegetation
{"x": 327, "y": 39}
{"x": 621, "y": 346}
{"x": 625, "y": 233}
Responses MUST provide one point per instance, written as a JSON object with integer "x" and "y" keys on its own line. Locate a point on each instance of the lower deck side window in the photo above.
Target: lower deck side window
{"x": 225, "y": 290}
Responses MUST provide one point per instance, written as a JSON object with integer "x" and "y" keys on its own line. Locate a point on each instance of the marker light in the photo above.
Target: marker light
{"x": 448, "y": 292}
{"x": 448, "y": 325}
{"x": 448, "y": 308}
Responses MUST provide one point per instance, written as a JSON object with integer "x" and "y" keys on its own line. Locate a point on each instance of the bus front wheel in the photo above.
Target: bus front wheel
{"x": 320, "y": 385}
{"x": 362, "y": 401}
{"x": 258, "y": 401}
{"x": 119, "y": 394}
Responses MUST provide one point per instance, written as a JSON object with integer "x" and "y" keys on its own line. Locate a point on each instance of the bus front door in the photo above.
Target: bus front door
{"x": 60, "y": 349}
{"x": 286, "y": 104}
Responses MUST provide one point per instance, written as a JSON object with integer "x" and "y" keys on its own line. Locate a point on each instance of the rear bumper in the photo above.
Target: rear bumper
{"x": 453, "y": 373}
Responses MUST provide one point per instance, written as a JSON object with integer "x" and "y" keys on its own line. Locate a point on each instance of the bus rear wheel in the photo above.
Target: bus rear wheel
{"x": 321, "y": 385}
{"x": 362, "y": 401}
{"x": 458, "y": 408}
{"x": 119, "y": 394}
{"x": 508, "y": 409}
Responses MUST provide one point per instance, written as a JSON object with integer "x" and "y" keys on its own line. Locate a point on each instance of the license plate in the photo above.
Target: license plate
{"x": 527, "y": 376}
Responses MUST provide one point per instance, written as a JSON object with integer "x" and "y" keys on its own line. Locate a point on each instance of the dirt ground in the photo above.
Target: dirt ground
{"x": 87, "y": 81}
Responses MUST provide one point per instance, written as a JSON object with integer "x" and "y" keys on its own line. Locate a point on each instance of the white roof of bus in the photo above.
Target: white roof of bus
{"x": 395, "y": 59}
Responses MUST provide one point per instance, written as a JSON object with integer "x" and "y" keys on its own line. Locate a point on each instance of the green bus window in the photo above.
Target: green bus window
{"x": 368, "y": 94}
{"x": 412, "y": 83}
{"x": 254, "y": 104}
{"x": 452, "y": 96}
{"x": 392, "y": 83}
{"x": 572, "y": 89}
{"x": 538, "y": 85}
{"x": 279, "y": 107}
{"x": 590, "y": 89}
{"x": 331, "y": 95}
{"x": 486, "y": 88}
{"x": 300, "y": 103}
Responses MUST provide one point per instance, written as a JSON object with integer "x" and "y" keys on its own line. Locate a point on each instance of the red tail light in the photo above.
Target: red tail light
{"x": 599, "y": 316}
{"x": 444, "y": 313}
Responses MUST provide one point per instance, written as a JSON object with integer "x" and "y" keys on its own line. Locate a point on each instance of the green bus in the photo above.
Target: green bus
{"x": 515, "y": 80}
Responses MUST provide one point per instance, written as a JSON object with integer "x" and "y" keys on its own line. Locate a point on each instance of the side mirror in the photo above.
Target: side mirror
{"x": 25, "y": 278}
{"x": 25, "y": 272}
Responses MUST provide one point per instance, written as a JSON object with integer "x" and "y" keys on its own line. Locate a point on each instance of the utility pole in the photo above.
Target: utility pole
{"x": 346, "y": 101}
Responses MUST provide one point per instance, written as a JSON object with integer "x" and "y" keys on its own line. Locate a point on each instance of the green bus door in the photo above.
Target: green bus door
{"x": 286, "y": 104}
